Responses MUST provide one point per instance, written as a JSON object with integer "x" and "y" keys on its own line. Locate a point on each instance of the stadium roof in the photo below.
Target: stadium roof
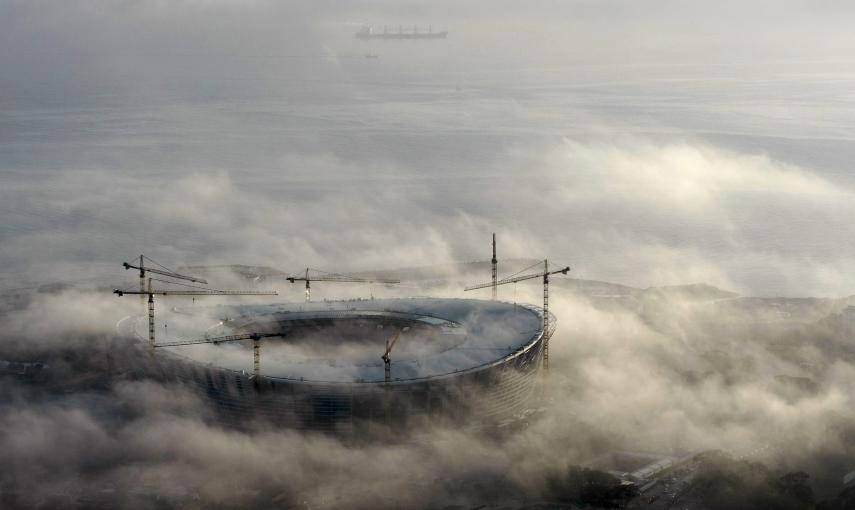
{"x": 343, "y": 341}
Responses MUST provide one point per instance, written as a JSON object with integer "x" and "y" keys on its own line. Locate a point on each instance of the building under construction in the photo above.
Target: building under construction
{"x": 351, "y": 365}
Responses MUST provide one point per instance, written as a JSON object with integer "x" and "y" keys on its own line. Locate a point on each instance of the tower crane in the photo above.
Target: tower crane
{"x": 167, "y": 292}
{"x": 256, "y": 345}
{"x": 387, "y": 360}
{"x": 387, "y": 373}
{"x": 162, "y": 272}
{"x": 545, "y": 275}
{"x": 333, "y": 277}
{"x": 494, "y": 262}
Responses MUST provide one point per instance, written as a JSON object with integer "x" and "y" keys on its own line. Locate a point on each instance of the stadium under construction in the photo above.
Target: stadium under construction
{"x": 350, "y": 365}
{"x": 347, "y": 366}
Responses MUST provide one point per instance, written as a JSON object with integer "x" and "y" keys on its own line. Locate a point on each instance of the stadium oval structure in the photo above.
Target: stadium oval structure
{"x": 321, "y": 368}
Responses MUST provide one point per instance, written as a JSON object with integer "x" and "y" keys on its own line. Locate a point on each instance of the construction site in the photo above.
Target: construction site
{"x": 345, "y": 366}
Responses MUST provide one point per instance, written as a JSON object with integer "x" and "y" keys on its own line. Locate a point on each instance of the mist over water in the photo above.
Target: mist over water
{"x": 124, "y": 126}
{"x": 643, "y": 144}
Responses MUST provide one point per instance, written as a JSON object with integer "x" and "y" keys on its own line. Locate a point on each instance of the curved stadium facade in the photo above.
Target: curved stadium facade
{"x": 323, "y": 369}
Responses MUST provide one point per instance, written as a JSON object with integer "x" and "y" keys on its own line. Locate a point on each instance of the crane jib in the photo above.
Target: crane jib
{"x": 517, "y": 279}
{"x": 218, "y": 340}
{"x": 164, "y": 273}
{"x": 336, "y": 279}
{"x": 199, "y": 292}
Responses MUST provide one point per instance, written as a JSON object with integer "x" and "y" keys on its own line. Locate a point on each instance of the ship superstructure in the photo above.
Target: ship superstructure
{"x": 368, "y": 32}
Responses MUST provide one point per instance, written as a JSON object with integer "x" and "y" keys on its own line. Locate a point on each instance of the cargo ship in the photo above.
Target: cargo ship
{"x": 368, "y": 32}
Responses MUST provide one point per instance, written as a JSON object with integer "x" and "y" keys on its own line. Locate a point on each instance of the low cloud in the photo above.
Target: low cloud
{"x": 648, "y": 374}
{"x": 638, "y": 212}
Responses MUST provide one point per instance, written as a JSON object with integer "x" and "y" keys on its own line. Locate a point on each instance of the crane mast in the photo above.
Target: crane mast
{"x": 546, "y": 333}
{"x": 387, "y": 372}
{"x": 545, "y": 275}
{"x": 142, "y": 283}
{"x": 495, "y": 265}
{"x": 387, "y": 360}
